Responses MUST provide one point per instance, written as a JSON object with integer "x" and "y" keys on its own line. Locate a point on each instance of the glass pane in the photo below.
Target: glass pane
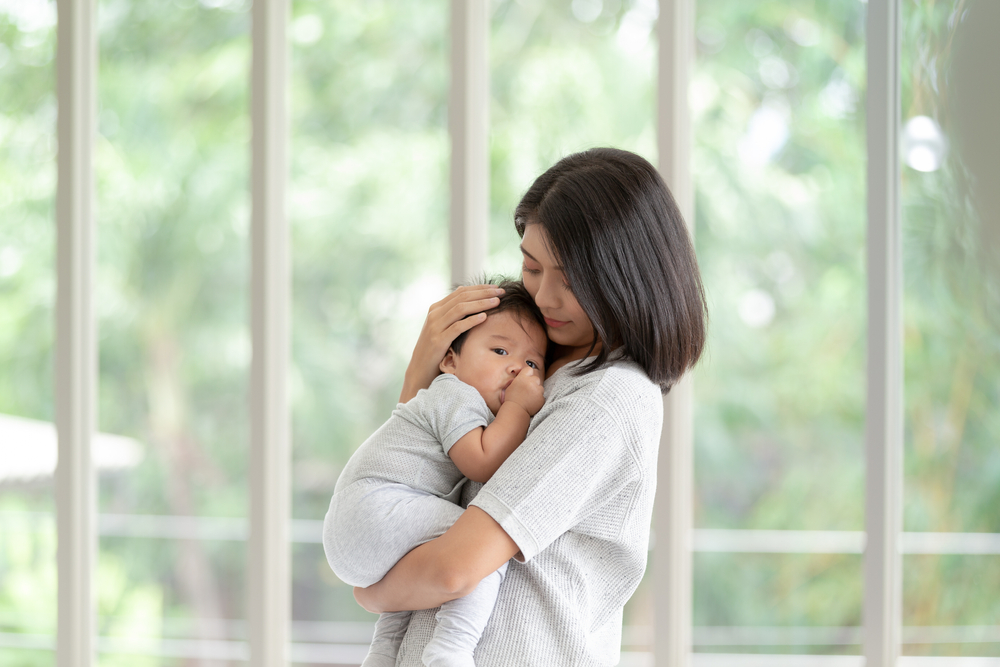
{"x": 777, "y": 603}
{"x": 172, "y": 168}
{"x": 28, "y": 449}
{"x": 779, "y": 167}
{"x": 369, "y": 211}
{"x": 564, "y": 77}
{"x": 951, "y": 321}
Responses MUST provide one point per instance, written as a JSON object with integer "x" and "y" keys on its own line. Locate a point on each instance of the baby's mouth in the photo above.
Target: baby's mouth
{"x": 503, "y": 391}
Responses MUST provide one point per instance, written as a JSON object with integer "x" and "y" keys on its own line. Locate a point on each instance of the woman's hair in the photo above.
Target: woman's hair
{"x": 514, "y": 299}
{"x": 612, "y": 223}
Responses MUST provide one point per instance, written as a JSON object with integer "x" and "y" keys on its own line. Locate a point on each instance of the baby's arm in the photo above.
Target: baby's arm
{"x": 481, "y": 451}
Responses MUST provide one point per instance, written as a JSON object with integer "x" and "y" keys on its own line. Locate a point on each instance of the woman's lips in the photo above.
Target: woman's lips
{"x": 555, "y": 324}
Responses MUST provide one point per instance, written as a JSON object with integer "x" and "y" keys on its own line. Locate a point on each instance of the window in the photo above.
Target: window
{"x": 788, "y": 115}
{"x": 779, "y": 170}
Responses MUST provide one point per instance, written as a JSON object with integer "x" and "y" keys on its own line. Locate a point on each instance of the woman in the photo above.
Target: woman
{"x": 609, "y": 262}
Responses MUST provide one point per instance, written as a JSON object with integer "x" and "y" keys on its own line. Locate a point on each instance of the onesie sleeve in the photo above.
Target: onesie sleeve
{"x": 451, "y": 408}
{"x": 574, "y": 461}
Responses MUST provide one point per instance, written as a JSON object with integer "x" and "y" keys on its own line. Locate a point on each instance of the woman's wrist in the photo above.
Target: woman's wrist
{"x": 368, "y": 599}
{"x": 414, "y": 381}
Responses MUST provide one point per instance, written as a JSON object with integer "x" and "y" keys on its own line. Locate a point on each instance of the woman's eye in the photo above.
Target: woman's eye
{"x": 500, "y": 351}
{"x": 526, "y": 269}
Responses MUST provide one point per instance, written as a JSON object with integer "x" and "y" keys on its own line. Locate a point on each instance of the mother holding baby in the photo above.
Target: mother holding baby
{"x": 609, "y": 262}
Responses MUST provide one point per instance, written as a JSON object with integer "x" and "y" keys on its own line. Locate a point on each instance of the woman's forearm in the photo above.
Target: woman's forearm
{"x": 415, "y": 379}
{"x": 416, "y": 582}
{"x": 443, "y": 569}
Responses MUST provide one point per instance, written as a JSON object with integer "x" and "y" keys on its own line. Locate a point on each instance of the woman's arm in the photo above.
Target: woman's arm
{"x": 443, "y": 569}
{"x": 446, "y": 319}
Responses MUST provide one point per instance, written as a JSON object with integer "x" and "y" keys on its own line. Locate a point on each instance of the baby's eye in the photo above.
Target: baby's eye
{"x": 532, "y": 364}
{"x": 500, "y": 351}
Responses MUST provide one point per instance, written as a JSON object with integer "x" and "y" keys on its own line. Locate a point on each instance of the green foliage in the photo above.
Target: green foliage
{"x": 560, "y": 85}
{"x": 779, "y": 169}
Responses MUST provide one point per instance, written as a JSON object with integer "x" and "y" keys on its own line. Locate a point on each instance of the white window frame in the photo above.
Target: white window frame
{"x": 883, "y": 565}
{"x": 673, "y": 510}
{"x": 76, "y": 346}
{"x": 269, "y": 551}
{"x": 269, "y": 546}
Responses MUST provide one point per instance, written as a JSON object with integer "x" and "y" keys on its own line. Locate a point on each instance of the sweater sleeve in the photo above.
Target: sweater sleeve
{"x": 448, "y": 409}
{"x": 573, "y": 461}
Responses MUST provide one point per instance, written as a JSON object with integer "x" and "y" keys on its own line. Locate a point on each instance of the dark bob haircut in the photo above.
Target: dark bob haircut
{"x": 514, "y": 299}
{"x": 615, "y": 228}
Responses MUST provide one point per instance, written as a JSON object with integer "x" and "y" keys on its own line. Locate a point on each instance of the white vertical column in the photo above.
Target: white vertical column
{"x": 673, "y": 511}
{"x": 270, "y": 505}
{"x": 884, "y": 418}
{"x": 468, "y": 125}
{"x": 76, "y": 349}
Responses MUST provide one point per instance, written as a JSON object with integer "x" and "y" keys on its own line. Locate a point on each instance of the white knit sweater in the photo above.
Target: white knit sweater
{"x": 577, "y": 498}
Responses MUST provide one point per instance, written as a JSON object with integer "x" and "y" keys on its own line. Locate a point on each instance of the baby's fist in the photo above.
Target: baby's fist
{"x": 526, "y": 390}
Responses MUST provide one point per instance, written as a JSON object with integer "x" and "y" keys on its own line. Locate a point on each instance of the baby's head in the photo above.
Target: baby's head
{"x": 491, "y": 354}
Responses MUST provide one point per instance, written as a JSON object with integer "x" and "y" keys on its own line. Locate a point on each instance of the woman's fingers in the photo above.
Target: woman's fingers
{"x": 468, "y": 300}
{"x": 455, "y": 308}
{"x": 461, "y": 326}
{"x": 466, "y": 308}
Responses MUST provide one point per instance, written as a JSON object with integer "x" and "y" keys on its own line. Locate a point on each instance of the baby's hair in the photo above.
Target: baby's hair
{"x": 515, "y": 299}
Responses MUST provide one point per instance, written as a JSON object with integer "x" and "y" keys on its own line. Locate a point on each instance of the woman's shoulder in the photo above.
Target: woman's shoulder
{"x": 615, "y": 408}
{"x": 620, "y": 387}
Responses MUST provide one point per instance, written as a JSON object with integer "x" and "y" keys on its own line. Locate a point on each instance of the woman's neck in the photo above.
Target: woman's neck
{"x": 564, "y": 355}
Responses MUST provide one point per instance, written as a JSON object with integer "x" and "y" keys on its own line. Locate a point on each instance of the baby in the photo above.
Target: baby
{"x": 401, "y": 487}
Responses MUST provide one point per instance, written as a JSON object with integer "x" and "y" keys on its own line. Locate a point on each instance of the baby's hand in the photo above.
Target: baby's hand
{"x": 526, "y": 390}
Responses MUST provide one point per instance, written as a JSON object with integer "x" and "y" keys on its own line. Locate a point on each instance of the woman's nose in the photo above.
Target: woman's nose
{"x": 545, "y": 296}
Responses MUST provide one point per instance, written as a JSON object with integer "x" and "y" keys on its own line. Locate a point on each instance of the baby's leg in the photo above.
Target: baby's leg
{"x": 372, "y": 524}
{"x": 367, "y": 530}
{"x": 389, "y": 631}
{"x": 460, "y": 624}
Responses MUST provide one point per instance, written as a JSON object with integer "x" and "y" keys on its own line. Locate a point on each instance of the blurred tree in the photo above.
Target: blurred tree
{"x": 779, "y": 169}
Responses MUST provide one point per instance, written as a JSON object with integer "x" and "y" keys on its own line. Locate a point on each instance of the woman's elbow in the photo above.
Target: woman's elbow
{"x": 452, "y": 582}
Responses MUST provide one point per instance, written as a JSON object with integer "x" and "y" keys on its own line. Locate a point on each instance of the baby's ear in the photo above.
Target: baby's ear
{"x": 448, "y": 364}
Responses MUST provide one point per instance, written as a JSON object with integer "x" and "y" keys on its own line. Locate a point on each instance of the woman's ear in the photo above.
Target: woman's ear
{"x": 449, "y": 363}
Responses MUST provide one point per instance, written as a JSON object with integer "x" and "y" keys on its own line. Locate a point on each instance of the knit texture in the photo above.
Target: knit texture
{"x": 577, "y": 498}
{"x": 411, "y": 448}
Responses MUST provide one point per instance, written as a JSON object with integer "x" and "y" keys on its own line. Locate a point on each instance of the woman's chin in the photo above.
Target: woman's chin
{"x": 561, "y": 337}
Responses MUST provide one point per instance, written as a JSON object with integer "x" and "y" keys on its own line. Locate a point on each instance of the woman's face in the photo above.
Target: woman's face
{"x": 567, "y": 325}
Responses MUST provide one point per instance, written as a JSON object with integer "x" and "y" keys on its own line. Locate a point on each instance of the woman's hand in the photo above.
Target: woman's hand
{"x": 446, "y": 320}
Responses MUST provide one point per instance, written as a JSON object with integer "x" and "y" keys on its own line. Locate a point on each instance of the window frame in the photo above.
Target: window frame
{"x": 269, "y": 543}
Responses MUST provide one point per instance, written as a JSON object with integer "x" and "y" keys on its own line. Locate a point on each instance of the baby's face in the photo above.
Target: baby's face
{"x": 495, "y": 352}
